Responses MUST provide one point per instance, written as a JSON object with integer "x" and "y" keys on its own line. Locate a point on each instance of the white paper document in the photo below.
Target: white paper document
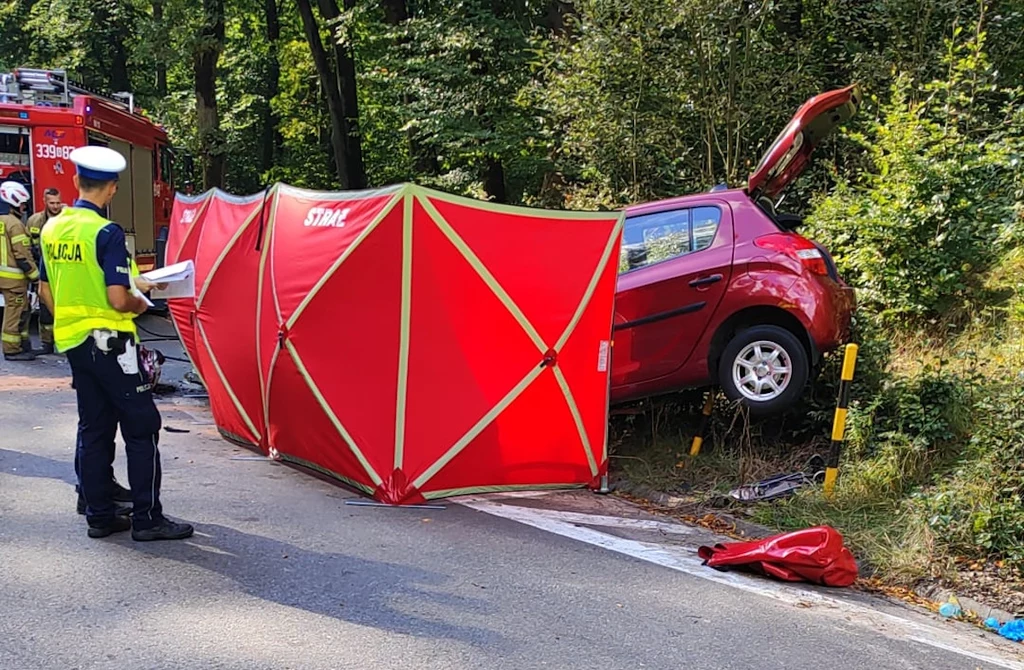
{"x": 142, "y": 295}
{"x": 180, "y": 279}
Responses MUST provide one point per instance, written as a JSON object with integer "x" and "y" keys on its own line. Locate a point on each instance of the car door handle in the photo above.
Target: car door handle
{"x": 706, "y": 281}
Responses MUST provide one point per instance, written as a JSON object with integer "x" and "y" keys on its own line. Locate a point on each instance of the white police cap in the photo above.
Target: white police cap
{"x": 99, "y": 163}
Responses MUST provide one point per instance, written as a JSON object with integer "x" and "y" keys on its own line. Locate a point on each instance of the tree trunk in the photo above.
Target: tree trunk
{"x": 110, "y": 50}
{"x": 424, "y": 160}
{"x": 556, "y": 16}
{"x": 273, "y": 142}
{"x": 494, "y": 171}
{"x": 494, "y": 181}
{"x": 345, "y": 76}
{"x": 328, "y": 82}
{"x": 207, "y": 54}
{"x": 119, "y": 79}
{"x": 326, "y": 137}
{"x": 789, "y": 18}
{"x": 161, "y": 56}
{"x": 395, "y": 11}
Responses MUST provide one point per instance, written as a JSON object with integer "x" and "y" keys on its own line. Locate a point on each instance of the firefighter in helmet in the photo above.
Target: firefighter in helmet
{"x": 17, "y": 269}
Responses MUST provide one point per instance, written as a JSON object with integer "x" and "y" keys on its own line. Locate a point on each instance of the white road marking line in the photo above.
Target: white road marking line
{"x": 965, "y": 652}
{"x": 682, "y": 560}
{"x": 511, "y": 494}
{"x": 605, "y": 521}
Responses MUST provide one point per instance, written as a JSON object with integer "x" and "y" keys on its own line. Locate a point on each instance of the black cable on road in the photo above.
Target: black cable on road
{"x": 162, "y": 336}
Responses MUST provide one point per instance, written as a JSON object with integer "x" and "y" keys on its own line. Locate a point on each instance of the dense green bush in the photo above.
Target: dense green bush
{"x": 917, "y": 231}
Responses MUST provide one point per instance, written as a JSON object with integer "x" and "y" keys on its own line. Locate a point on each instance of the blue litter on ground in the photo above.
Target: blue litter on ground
{"x": 992, "y": 623}
{"x": 950, "y": 610}
{"x": 1013, "y": 630}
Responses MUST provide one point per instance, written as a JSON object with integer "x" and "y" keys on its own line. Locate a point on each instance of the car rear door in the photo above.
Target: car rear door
{"x": 674, "y": 270}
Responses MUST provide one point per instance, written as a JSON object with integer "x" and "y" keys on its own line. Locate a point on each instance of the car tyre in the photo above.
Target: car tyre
{"x": 764, "y": 367}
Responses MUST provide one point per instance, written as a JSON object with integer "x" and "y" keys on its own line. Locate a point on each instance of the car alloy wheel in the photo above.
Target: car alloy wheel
{"x": 762, "y": 371}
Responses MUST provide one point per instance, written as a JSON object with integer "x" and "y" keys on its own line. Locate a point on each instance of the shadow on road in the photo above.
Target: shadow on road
{"x": 366, "y": 592}
{"x": 24, "y": 464}
{"x": 395, "y": 597}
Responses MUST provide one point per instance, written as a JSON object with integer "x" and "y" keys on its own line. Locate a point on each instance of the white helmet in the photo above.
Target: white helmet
{"x": 14, "y": 194}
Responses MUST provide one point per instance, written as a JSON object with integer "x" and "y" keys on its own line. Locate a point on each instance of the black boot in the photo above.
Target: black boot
{"x": 118, "y": 524}
{"x": 121, "y": 494}
{"x": 165, "y": 530}
{"x": 20, "y": 356}
{"x": 119, "y": 510}
{"x": 47, "y": 349}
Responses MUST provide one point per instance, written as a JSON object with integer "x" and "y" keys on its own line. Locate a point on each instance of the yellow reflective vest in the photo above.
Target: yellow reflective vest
{"x": 76, "y": 279}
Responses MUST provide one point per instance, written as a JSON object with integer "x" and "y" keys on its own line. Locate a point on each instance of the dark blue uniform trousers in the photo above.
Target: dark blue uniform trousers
{"x": 107, "y": 397}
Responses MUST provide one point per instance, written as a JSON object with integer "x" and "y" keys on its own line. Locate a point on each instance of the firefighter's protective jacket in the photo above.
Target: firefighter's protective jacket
{"x": 34, "y": 228}
{"x": 17, "y": 267}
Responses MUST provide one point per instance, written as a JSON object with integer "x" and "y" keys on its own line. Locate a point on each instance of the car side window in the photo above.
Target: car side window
{"x": 652, "y": 238}
{"x": 705, "y": 226}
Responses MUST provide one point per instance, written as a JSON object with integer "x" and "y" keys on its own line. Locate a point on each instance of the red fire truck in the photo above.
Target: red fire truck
{"x": 43, "y": 116}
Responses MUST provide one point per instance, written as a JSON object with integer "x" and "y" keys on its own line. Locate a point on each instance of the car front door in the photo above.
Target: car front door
{"x": 674, "y": 270}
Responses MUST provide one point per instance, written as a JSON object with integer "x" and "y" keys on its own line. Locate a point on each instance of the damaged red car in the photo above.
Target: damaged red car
{"x": 720, "y": 289}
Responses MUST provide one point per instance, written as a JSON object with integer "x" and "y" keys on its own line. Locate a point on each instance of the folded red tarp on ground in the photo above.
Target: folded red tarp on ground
{"x": 410, "y": 343}
{"x": 814, "y": 555}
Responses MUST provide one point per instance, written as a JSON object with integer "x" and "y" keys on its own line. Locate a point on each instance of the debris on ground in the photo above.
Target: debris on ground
{"x": 990, "y": 582}
{"x": 1013, "y": 630}
{"x": 781, "y": 485}
{"x": 773, "y": 488}
{"x": 192, "y": 377}
{"x": 875, "y": 586}
{"x": 951, "y": 609}
{"x": 816, "y": 555}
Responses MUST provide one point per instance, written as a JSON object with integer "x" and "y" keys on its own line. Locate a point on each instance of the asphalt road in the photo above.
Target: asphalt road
{"x": 282, "y": 573}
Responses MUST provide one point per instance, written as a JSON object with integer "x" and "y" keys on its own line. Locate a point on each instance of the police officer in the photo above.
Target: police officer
{"x": 17, "y": 269}
{"x": 87, "y": 284}
{"x": 52, "y": 206}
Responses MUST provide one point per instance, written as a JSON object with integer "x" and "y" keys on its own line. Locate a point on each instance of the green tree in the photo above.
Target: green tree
{"x": 207, "y": 50}
{"x": 459, "y": 71}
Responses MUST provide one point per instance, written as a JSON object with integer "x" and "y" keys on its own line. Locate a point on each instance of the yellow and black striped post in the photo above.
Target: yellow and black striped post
{"x": 705, "y": 415}
{"x": 839, "y": 424}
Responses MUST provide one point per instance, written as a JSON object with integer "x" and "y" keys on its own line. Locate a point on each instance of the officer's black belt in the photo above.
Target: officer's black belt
{"x": 118, "y": 342}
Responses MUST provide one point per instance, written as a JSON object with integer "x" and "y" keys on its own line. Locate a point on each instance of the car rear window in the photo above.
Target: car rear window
{"x": 661, "y": 236}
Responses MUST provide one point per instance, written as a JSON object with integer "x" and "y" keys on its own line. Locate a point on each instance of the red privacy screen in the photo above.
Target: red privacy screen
{"x": 184, "y": 229}
{"x": 412, "y": 344}
{"x": 225, "y": 330}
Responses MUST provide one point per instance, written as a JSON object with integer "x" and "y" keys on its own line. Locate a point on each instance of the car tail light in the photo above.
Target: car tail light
{"x": 796, "y": 247}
